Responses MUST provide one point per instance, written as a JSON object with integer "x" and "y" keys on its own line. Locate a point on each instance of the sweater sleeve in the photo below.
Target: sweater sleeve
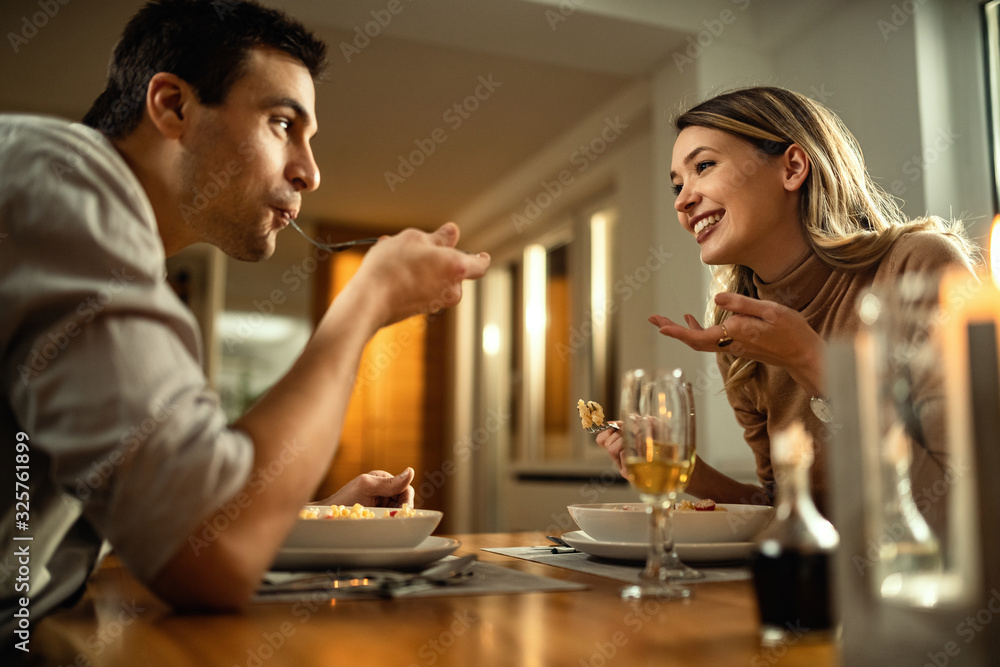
{"x": 921, "y": 252}
{"x": 754, "y": 425}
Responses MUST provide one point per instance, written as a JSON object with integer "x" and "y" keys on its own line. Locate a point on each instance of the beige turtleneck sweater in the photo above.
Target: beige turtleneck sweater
{"x": 827, "y": 299}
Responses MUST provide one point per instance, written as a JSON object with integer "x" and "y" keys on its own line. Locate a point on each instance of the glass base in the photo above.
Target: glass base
{"x": 774, "y": 635}
{"x": 659, "y": 590}
{"x": 676, "y": 569}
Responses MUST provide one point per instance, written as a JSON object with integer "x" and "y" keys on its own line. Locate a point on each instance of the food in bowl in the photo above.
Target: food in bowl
{"x": 624, "y": 523}
{"x": 703, "y": 505}
{"x": 362, "y": 528}
{"x": 358, "y": 511}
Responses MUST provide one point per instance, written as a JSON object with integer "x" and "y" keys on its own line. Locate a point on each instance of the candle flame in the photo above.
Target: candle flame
{"x": 995, "y": 250}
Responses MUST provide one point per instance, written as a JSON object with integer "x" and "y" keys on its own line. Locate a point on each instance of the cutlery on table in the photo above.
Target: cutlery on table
{"x": 380, "y": 583}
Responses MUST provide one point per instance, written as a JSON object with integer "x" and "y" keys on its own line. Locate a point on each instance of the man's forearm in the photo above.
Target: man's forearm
{"x": 294, "y": 429}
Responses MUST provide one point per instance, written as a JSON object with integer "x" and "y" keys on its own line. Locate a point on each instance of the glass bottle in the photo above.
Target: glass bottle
{"x": 902, "y": 346}
{"x": 793, "y": 556}
{"x": 909, "y": 552}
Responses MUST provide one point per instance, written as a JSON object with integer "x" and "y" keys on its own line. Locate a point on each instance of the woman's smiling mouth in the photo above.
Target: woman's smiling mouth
{"x": 706, "y": 222}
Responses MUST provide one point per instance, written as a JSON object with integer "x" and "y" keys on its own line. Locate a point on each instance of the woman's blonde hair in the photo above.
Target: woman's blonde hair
{"x": 849, "y": 221}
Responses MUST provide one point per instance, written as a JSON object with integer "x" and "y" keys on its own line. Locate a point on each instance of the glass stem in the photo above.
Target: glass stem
{"x": 660, "y": 540}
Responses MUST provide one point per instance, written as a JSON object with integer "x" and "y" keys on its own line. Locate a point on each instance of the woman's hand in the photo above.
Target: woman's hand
{"x": 763, "y": 331}
{"x": 375, "y": 489}
{"x": 611, "y": 439}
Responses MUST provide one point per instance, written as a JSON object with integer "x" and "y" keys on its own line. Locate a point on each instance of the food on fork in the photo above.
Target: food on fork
{"x": 356, "y": 512}
{"x": 703, "y": 505}
{"x": 591, "y": 413}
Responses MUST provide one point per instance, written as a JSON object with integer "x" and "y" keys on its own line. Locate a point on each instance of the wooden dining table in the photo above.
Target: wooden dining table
{"x": 120, "y": 622}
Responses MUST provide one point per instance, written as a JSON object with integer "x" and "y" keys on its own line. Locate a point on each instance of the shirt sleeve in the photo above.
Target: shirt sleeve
{"x": 100, "y": 360}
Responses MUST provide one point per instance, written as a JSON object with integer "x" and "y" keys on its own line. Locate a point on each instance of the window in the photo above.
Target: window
{"x": 991, "y": 12}
{"x": 555, "y": 301}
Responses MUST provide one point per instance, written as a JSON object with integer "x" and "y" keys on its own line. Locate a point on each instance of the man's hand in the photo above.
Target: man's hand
{"x": 414, "y": 272}
{"x": 375, "y": 489}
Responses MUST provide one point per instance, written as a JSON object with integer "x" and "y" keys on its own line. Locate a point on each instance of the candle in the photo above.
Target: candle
{"x": 969, "y": 299}
{"x": 970, "y": 321}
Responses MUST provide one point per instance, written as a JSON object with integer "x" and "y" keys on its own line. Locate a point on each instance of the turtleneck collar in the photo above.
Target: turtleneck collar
{"x": 798, "y": 286}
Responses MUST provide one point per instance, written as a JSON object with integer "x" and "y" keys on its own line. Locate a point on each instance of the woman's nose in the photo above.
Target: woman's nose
{"x": 685, "y": 200}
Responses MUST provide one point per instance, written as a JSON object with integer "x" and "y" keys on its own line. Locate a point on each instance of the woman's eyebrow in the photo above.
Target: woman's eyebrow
{"x": 690, "y": 156}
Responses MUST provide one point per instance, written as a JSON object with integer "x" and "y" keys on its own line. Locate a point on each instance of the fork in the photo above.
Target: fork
{"x": 335, "y": 247}
{"x": 603, "y": 427}
{"x": 380, "y": 583}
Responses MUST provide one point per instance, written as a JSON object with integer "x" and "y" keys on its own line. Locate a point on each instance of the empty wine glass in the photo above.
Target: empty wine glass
{"x": 659, "y": 444}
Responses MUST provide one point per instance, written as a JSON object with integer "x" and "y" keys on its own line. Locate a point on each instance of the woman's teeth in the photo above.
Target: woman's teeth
{"x": 706, "y": 222}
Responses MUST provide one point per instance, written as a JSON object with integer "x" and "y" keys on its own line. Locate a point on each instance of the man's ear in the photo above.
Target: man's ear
{"x": 796, "y": 165}
{"x": 168, "y": 99}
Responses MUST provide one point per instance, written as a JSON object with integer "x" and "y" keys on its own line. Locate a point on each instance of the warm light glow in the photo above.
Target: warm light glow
{"x": 491, "y": 339}
{"x": 598, "y": 263}
{"x": 534, "y": 288}
{"x": 995, "y": 251}
{"x": 600, "y": 268}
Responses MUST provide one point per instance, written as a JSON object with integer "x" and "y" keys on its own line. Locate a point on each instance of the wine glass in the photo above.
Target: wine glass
{"x": 659, "y": 447}
{"x": 677, "y": 569}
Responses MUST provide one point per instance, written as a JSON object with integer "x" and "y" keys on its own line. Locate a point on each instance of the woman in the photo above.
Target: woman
{"x": 773, "y": 188}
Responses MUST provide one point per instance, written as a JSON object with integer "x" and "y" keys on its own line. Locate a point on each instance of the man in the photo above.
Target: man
{"x": 109, "y": 427}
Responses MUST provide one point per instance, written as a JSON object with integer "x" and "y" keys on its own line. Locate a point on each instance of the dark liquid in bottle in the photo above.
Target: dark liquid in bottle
{"x": 793, "y": 590}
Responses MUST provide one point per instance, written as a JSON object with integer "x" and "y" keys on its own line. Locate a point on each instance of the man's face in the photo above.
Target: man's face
{"x": 246, "y": 163}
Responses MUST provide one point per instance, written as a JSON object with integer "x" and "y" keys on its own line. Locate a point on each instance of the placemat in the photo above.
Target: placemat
{"x": 486, "y": 579}
{"x": 581, "y": 562}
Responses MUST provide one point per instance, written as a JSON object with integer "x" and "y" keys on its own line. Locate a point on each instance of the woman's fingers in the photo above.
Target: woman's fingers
{"x": 693, "y": 335}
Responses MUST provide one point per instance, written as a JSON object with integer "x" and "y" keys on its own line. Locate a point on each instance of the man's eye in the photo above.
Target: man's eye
{"x": 283, "y": 123}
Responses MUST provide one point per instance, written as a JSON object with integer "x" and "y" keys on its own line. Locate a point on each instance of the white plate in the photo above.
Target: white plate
{"x": 689, "y": 553}
{"x": 426, "y": 552}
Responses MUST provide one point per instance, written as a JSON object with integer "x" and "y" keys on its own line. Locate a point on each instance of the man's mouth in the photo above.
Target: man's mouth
{"x": 706, "y": 222}
{"x": 286, "y": 215}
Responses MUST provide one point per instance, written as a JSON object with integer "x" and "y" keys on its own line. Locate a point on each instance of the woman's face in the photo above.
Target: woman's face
{"x": 738, "y": 202}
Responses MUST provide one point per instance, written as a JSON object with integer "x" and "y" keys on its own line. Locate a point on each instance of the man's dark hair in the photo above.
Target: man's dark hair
{"x": 204, "y": 42}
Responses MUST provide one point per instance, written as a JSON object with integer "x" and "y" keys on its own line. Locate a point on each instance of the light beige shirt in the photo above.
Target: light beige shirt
{"x": 99, "y": 372}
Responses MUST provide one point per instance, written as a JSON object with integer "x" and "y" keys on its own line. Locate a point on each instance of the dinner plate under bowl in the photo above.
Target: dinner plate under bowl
{"x": 323, "y": 558}
{"x": 716, "y": 552}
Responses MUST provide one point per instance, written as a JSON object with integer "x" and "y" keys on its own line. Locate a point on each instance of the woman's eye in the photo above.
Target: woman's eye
{"x": 702, "y": 166}
{"x": 677, "y": 189}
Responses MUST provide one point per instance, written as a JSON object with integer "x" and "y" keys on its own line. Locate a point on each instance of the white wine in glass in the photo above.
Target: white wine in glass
{"x": 663, "y": 474}
{"x": 659, "y": 443}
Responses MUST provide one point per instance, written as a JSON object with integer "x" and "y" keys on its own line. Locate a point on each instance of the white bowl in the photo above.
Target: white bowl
{"x": 382, "y": 532}
{"x": 627, "y": 522}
